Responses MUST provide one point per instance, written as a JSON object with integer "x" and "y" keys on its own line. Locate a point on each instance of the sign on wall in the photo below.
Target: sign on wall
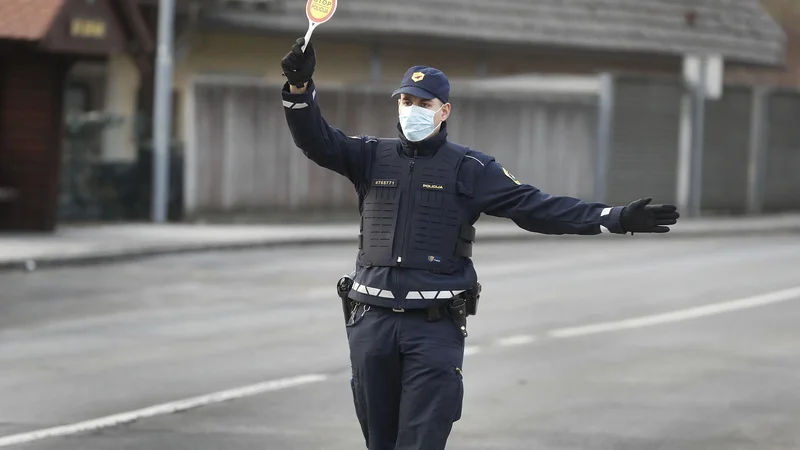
{"x": 87, "y": 28}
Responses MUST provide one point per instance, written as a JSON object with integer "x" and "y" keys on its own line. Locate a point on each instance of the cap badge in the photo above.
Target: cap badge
{"x": 417, "y": 76}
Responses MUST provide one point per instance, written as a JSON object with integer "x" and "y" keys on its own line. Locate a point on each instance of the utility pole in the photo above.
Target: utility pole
{"x": 703, "y": 75}
{"x": 162, "y": 117}
{"x": 698, "y": 139}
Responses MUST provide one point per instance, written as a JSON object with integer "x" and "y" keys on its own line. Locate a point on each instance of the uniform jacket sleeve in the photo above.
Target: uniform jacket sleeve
{"x": 327, "y": 146}
{"x": 498, "y": 193}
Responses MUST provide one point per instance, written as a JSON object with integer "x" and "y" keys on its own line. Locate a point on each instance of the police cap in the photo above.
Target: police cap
{"x": 425, "y": 82}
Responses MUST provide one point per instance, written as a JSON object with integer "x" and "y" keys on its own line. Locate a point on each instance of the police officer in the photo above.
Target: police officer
{"x": 419, "y": 196}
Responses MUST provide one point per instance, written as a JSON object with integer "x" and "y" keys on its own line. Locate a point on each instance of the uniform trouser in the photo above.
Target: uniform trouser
{"x": 407, "y": 383}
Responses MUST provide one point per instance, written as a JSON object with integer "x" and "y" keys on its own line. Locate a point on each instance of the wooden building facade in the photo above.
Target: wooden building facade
{"x": 39, "y": 41}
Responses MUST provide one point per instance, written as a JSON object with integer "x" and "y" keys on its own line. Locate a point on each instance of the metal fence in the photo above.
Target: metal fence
{"x": 751, "y": 146}
{"x": 612, "y": 139}
{"x": 781, "y": 131}
{"x": 242, "y": 157}
{"x": 644, "y": 140}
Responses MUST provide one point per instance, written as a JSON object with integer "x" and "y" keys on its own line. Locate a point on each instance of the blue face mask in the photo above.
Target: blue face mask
{"x": 417, "y": 122}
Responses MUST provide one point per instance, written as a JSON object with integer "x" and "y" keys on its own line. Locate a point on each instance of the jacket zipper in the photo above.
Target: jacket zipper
{"x": 407, "y": 210}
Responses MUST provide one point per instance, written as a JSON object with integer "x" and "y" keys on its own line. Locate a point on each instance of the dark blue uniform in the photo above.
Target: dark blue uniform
{"x": 423, "y": 197}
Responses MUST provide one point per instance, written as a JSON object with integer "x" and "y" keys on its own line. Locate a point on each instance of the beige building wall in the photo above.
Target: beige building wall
{"x": 454, "y": 63}
{"x": 122, "y": 87}
{"x": 346, "y": 63}
{"x": 260, "y": 56}
{"x": 351, "y": 63}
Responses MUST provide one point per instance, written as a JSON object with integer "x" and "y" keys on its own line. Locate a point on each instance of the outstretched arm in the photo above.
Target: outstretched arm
{"x": 499, "y": 194}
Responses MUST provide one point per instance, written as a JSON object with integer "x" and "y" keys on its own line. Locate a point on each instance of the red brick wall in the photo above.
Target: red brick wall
{"x": 31, "y": 124}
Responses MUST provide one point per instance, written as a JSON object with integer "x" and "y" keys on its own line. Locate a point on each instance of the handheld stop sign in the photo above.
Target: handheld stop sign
{"x": 318, "y": 12}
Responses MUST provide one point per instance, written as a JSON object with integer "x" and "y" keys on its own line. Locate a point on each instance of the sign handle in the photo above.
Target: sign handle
{"x": 311, "y": 26}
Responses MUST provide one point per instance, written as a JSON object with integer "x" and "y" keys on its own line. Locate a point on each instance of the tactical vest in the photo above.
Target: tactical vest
{"x": 410, "y": 216}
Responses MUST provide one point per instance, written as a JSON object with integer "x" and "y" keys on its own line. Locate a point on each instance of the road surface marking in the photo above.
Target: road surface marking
{"x": 471, "y": 350}
{"x": 162, "y": 409}
{"x": 516, "y": 340}
{"x": 680, "y": 315}
{"x": 274, "y": 385}
{"x": 321, "y": 292}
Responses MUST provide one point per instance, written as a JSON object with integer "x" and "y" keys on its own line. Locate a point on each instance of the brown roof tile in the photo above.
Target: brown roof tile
{"x": 27, "y": 20}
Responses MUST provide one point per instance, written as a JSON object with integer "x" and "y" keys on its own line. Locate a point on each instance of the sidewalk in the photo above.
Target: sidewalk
{"x": 73, "y": 245}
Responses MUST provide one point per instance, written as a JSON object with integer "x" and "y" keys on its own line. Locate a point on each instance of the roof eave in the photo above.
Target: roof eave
{"x": 243, "y": 22}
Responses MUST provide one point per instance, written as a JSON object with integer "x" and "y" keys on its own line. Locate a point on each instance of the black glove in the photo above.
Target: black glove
{"x": 298, "y": 67}
{"x": 638, "y": 217}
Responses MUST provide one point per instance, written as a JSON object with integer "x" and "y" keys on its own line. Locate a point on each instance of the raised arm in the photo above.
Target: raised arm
{"x": 327, "y": 146}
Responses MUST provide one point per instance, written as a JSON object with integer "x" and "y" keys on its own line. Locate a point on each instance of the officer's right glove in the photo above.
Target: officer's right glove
{"x": 298, "y": 67}
{"x": 639, "y": 217}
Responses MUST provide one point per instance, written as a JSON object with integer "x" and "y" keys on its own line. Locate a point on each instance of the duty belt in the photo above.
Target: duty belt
{"x": 456, "y": 308}
{"x": 459, "y": 306}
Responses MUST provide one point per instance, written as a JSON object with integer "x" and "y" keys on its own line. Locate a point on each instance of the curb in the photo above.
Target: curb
{"x": 129, "y": 255}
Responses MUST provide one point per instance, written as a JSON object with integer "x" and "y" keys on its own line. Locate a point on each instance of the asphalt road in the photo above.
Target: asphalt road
{"x": 86, "y": 343}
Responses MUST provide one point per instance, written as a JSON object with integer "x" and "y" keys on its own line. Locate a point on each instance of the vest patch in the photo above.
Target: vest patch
{"x": 508, "y": 174}
{"x": 432, "y": 186}
{"x": 385, "y": 183}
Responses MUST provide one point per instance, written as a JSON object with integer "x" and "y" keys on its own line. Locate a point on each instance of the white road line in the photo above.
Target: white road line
{"x": 321, "y": 292}
{"x": 516, "y": 340}
{"x": 162, "y": 409}
{"x": 274, "y": 385}
{"x": 471, "y": 350}
{"x": 677, "y": 316}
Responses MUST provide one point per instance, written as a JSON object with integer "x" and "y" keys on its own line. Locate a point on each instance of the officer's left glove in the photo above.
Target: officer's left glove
{"x": 640, "y": 217}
